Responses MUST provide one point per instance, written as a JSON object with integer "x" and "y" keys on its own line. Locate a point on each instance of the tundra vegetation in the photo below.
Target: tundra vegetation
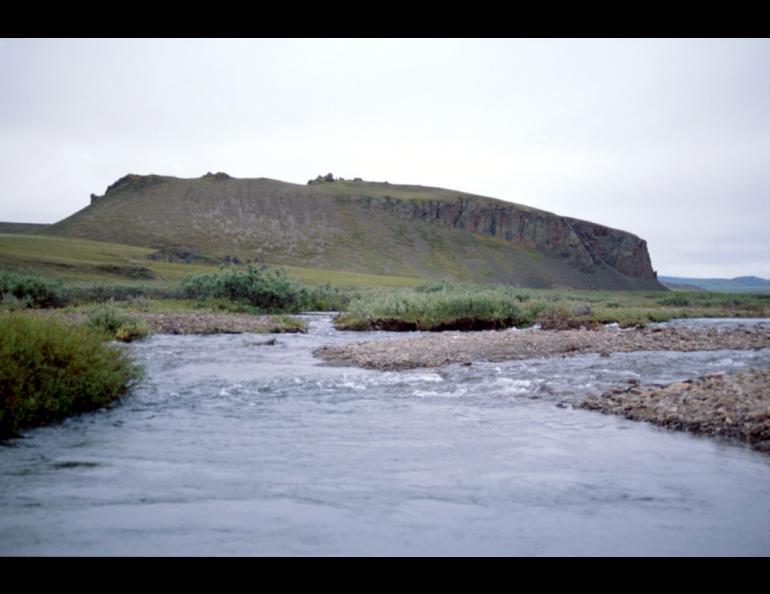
{"x": 50, "y": 370}
{"x": 63, "y": 301}
{"x": 261, "y": 290}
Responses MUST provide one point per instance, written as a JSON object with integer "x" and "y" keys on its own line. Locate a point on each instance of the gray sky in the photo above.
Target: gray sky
{"x": 668, "y": 139}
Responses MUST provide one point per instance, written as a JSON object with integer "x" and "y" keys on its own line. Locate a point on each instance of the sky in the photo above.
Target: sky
{"x": 666, "y": 138}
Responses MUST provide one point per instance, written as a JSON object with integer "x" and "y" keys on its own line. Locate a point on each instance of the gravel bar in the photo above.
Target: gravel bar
{"x": 443, "y": 348}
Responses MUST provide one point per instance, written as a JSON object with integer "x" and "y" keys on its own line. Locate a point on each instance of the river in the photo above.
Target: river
{"x": 232, "y": 447}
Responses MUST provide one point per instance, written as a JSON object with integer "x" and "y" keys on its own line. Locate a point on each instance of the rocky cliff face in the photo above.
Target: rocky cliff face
{"x": 582, "y": 245}
{"x": 364, "y": 227}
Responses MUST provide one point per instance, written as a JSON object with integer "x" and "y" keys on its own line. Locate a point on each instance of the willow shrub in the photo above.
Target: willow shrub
{"x": 31, "y": 290}
{"x": 267, "y": 290}
{"x": 50, "y": 370}
{"x": 442, "y": 309}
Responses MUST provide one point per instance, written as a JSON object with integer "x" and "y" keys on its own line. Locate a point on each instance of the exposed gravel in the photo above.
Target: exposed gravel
{"x": 434, "y": 350}
{"x": 735, "y": 405}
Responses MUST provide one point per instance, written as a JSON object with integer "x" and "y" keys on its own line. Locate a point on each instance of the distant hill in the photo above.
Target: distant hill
{"x": 739, "y": 284}
{"x": 27, "y": 228}
{"x": 365, "y": 227}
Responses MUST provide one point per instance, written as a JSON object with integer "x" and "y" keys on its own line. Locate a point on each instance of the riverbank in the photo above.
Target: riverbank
{"x": 731, "y": 405}
{"x": 435, "y": 350}
{"x": 50, "y": 370}
{"x": 196, "y": 322}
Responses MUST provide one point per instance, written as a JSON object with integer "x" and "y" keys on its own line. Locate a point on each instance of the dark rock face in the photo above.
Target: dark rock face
{"x": 582, "y": 245}
{"x": 623, "y": 251}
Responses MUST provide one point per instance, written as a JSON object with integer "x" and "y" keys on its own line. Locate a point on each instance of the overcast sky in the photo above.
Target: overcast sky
{"x": 668, "y": 139}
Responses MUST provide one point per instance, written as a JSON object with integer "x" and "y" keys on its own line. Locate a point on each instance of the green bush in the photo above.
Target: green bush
{"x": 112, "y": 323}
{"x": 132, "y": 329}
{"x": 104, "y": 292}
{"x": 267, "y": 290}
{"x": 324, "y": 298}
{"x": 461, "y": 308}
{"x": 31, "y": 290}
{"x": 106, "y": 319}
{"x": 675, "y": 300}
{"x": 50, "y": 370}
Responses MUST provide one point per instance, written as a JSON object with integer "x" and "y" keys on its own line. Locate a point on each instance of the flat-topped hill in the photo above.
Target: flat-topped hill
{"x": 360, "y": 226}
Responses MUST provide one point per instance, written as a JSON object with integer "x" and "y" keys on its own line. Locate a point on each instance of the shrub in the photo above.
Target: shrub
{"x": 32, "y": 290}
{"x": 324, "y": 298}
{"x": 267, "y": 290}
{"x": 132, "y": 329}
{"x": 112, "y": 323}
{"x": 50, "y": 370}
{"x": 106, "y": 319}
{"x": 675, "y": 300}
{"x": 461, "y": 308}
{"x": 104, "y": 292}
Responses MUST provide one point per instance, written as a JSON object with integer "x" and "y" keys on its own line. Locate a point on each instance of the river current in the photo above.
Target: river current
{"x": 230, "y": 446}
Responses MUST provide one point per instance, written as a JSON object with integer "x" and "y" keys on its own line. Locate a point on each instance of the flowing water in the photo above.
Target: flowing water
{"x": 230, "y": 446}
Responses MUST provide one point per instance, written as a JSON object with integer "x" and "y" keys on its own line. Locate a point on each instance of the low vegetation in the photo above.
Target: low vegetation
{"x": 76, "y": 274}
{"x": 468, "y": 307}
{"x": 114, "y": 324}
{"x": 438, "y": 308}
{"x": 50, "y": 370}
{"x": 21, "y": 291}
{"x": 266, "y": 290}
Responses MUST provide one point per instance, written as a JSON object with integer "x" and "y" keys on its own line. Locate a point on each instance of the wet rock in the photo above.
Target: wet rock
{"x": 734, "y": 406}
{"x": 582, "y": 310}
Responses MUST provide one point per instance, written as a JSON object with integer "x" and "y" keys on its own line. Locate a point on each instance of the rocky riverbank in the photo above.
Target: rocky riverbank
{"x": 735, "y": 405}
{"x": 435, "y": 350}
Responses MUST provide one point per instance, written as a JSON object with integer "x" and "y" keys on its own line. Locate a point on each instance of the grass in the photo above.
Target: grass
{"x": 80, "y": 272}
{"x": 416, "y": 193}
{"x": 444, "y": 308}
{"x": 468, "y": 307}
{"x": 83, "y": 260}
{"x": 346, "y": 279}
{"x": 50, "y": 370}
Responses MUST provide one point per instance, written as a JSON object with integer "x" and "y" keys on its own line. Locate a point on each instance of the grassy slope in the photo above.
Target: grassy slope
{"x": 77, "y": 260}
{"x": 74, "y": 259}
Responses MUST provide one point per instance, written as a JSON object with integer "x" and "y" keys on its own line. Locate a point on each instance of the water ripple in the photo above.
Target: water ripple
{"x": 228, "y": 447}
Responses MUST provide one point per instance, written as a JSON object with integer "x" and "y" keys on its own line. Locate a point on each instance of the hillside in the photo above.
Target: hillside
{"x": 739, "y": 284}
{"x": 26, "y": 228}
{"x": 365, "y": 227}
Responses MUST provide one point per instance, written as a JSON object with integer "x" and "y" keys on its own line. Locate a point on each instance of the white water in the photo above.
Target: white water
{"x": 230, "y": 447}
